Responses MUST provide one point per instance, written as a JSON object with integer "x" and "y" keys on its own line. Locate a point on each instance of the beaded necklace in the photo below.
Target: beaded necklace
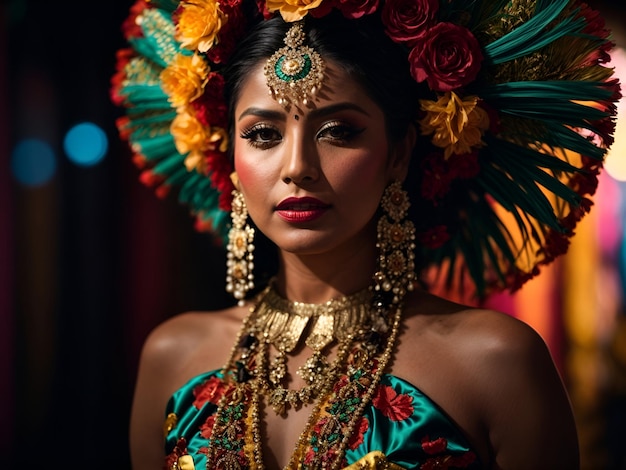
{"x": 341, "y": 390}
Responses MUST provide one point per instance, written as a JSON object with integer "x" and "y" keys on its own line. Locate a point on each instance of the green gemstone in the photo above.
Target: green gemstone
{"x": 299, "y": 75}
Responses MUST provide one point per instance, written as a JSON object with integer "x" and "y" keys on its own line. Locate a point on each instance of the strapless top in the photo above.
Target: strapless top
{"x": 401, "y": 428}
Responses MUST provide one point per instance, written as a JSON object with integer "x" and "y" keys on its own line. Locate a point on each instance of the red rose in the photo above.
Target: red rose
{"x": 357, "y": 8}
{"x": 407, "y": 20}
{"x": 448, "y": 56}
{"x": 323, "y": 9}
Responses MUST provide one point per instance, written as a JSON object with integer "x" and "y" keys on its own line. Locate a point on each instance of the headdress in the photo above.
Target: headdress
{"x": 519, "y": 115}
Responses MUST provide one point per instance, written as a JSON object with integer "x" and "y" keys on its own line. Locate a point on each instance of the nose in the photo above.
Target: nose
{"x": 301, "y": 163}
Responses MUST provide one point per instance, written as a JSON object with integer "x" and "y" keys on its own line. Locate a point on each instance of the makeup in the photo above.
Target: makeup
{"x": 301, "y": 209}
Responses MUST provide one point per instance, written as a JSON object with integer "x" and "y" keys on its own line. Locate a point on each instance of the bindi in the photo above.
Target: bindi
{"x": 296, "y": 117}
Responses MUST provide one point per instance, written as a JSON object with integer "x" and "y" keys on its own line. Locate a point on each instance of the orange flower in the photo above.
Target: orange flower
{"x": 199, "y": 23}
{"x": 457, "y": 124}
{"x": 188, "y": 132}
{"x": 292, "y": 10}
{"x": 184, "y": 79}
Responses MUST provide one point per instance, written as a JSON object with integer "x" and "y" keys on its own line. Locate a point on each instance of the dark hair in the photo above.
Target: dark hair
{"x": 359, "y": 46}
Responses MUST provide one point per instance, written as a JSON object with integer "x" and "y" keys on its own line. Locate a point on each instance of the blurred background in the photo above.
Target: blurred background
{"x": 91, "y": 260}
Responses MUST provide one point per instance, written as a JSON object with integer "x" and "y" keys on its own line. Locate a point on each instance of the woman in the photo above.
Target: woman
{"x": 337, "y": 355}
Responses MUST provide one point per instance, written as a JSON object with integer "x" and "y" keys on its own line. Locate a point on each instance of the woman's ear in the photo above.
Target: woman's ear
{"x": 401, "y": 153}
{"x": 235, "y": 180}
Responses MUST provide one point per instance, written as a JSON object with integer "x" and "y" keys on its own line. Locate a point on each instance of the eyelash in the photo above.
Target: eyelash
{"x": 253, "y": 136}
{"x": 256, "y": 138}
{"x": 347, "y": 132}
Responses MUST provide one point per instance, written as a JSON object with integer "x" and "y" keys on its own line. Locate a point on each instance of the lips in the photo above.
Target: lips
{"x": 301, "y": 209}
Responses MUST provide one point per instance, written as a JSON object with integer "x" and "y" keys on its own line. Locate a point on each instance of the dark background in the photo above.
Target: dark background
{"x": 91, "y": 261}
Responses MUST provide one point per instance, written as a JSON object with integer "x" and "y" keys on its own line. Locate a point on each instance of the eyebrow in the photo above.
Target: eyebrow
{"x": 317, "y": 112}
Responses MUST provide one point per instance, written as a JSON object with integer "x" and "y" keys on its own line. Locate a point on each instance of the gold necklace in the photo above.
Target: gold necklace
{"x": 236, "y": 437}
{"x": 283, "y": 324}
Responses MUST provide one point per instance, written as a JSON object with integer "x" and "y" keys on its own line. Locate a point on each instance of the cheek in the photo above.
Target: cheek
{"x": 243, "y": 169}
{"x": 252, "y": 176}
{"x": 367, "y": 168}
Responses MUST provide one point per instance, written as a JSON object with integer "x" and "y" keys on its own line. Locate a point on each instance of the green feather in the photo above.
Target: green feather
{"x": 535, "y": 33}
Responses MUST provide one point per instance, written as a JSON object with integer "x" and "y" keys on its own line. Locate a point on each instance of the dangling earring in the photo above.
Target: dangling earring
{"x": 396, "y": 244}
{"x": 239, "y": 257}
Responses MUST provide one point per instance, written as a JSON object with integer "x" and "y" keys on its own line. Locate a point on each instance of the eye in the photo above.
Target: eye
{"x": 338, "y": 132}
{"x": 261, "y": 136}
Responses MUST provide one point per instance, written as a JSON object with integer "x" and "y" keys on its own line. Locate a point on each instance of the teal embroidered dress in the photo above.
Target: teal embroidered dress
{"x": 401, "y": 427}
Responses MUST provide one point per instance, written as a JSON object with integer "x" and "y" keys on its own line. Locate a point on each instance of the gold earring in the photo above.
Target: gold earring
{"x": 396, "y": 245}
{"x": 240, "y": 248}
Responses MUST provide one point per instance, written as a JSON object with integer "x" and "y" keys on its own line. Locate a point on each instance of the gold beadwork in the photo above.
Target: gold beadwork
{"x": 295, "y": 72}
{"x": 239, "y": 257}
{"x": 396, "y": 244}
{"x": 281, "y": 323}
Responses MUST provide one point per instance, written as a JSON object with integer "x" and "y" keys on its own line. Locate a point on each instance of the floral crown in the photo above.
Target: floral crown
{"x": 520, "y": 114}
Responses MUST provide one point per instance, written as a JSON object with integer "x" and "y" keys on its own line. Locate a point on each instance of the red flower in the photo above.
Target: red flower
{"x": 435, "y": 237}
{"x": 210, "y": 391}
{"x": 324, "y": 9}
{"x": 357, "y": 437}
{"x": 229, "y": 35}
{"x": 464, "y": 166}
{"x": 394, "y": 406}
{"x": 448, "y": 56}
{"x": 407, "y": 20}
{"x": 211, "y": 108}
{"x": 357, "y": 8}
{"x": 436, "y": 176}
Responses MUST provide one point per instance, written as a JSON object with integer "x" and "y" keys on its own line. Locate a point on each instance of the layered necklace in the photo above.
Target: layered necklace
{"x": 362, "y": 326}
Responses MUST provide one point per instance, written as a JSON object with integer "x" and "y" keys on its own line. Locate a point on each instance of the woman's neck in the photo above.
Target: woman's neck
{"x": 317, "y": 278}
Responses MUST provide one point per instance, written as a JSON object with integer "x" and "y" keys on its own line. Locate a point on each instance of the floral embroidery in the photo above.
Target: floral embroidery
{"x": 210, "y": 391}
{"x": 440, "y": 459}
{"x": 359, "y": 431}
{"x": 179, "y": 450}
{"x": 396, "y": 407}
{"x": 207, "y": 428}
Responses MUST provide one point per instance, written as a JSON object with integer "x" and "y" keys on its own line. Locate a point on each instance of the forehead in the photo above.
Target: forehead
{"x": 337, "y": 86}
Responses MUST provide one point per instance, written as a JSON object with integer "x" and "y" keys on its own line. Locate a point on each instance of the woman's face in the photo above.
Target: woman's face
{"x": 313, "y": 176}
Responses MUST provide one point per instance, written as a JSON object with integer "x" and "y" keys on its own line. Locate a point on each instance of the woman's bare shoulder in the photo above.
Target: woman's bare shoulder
{"x": 495, "y": 375}
{"x": 193, "y": 340}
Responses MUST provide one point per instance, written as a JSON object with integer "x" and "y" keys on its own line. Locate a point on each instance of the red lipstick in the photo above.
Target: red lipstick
{"x": 301, "y": 209}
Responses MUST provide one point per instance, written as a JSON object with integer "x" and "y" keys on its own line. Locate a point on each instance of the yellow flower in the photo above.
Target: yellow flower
{"x": 189, "y": 133}
{"x": 457, "y": 124}
{"x": 184, "y": 79}
{"x": 292, "y": 10}
{"x": 199, "y": 23}
{"x": 194, "y": 139}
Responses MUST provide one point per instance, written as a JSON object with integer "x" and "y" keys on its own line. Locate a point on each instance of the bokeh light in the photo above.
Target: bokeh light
{"x": 85, "y": 144}
{"x": 33, "y": 162}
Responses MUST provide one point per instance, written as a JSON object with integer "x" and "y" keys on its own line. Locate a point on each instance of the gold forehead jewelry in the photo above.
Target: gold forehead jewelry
{"x": 295, "y": 72}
